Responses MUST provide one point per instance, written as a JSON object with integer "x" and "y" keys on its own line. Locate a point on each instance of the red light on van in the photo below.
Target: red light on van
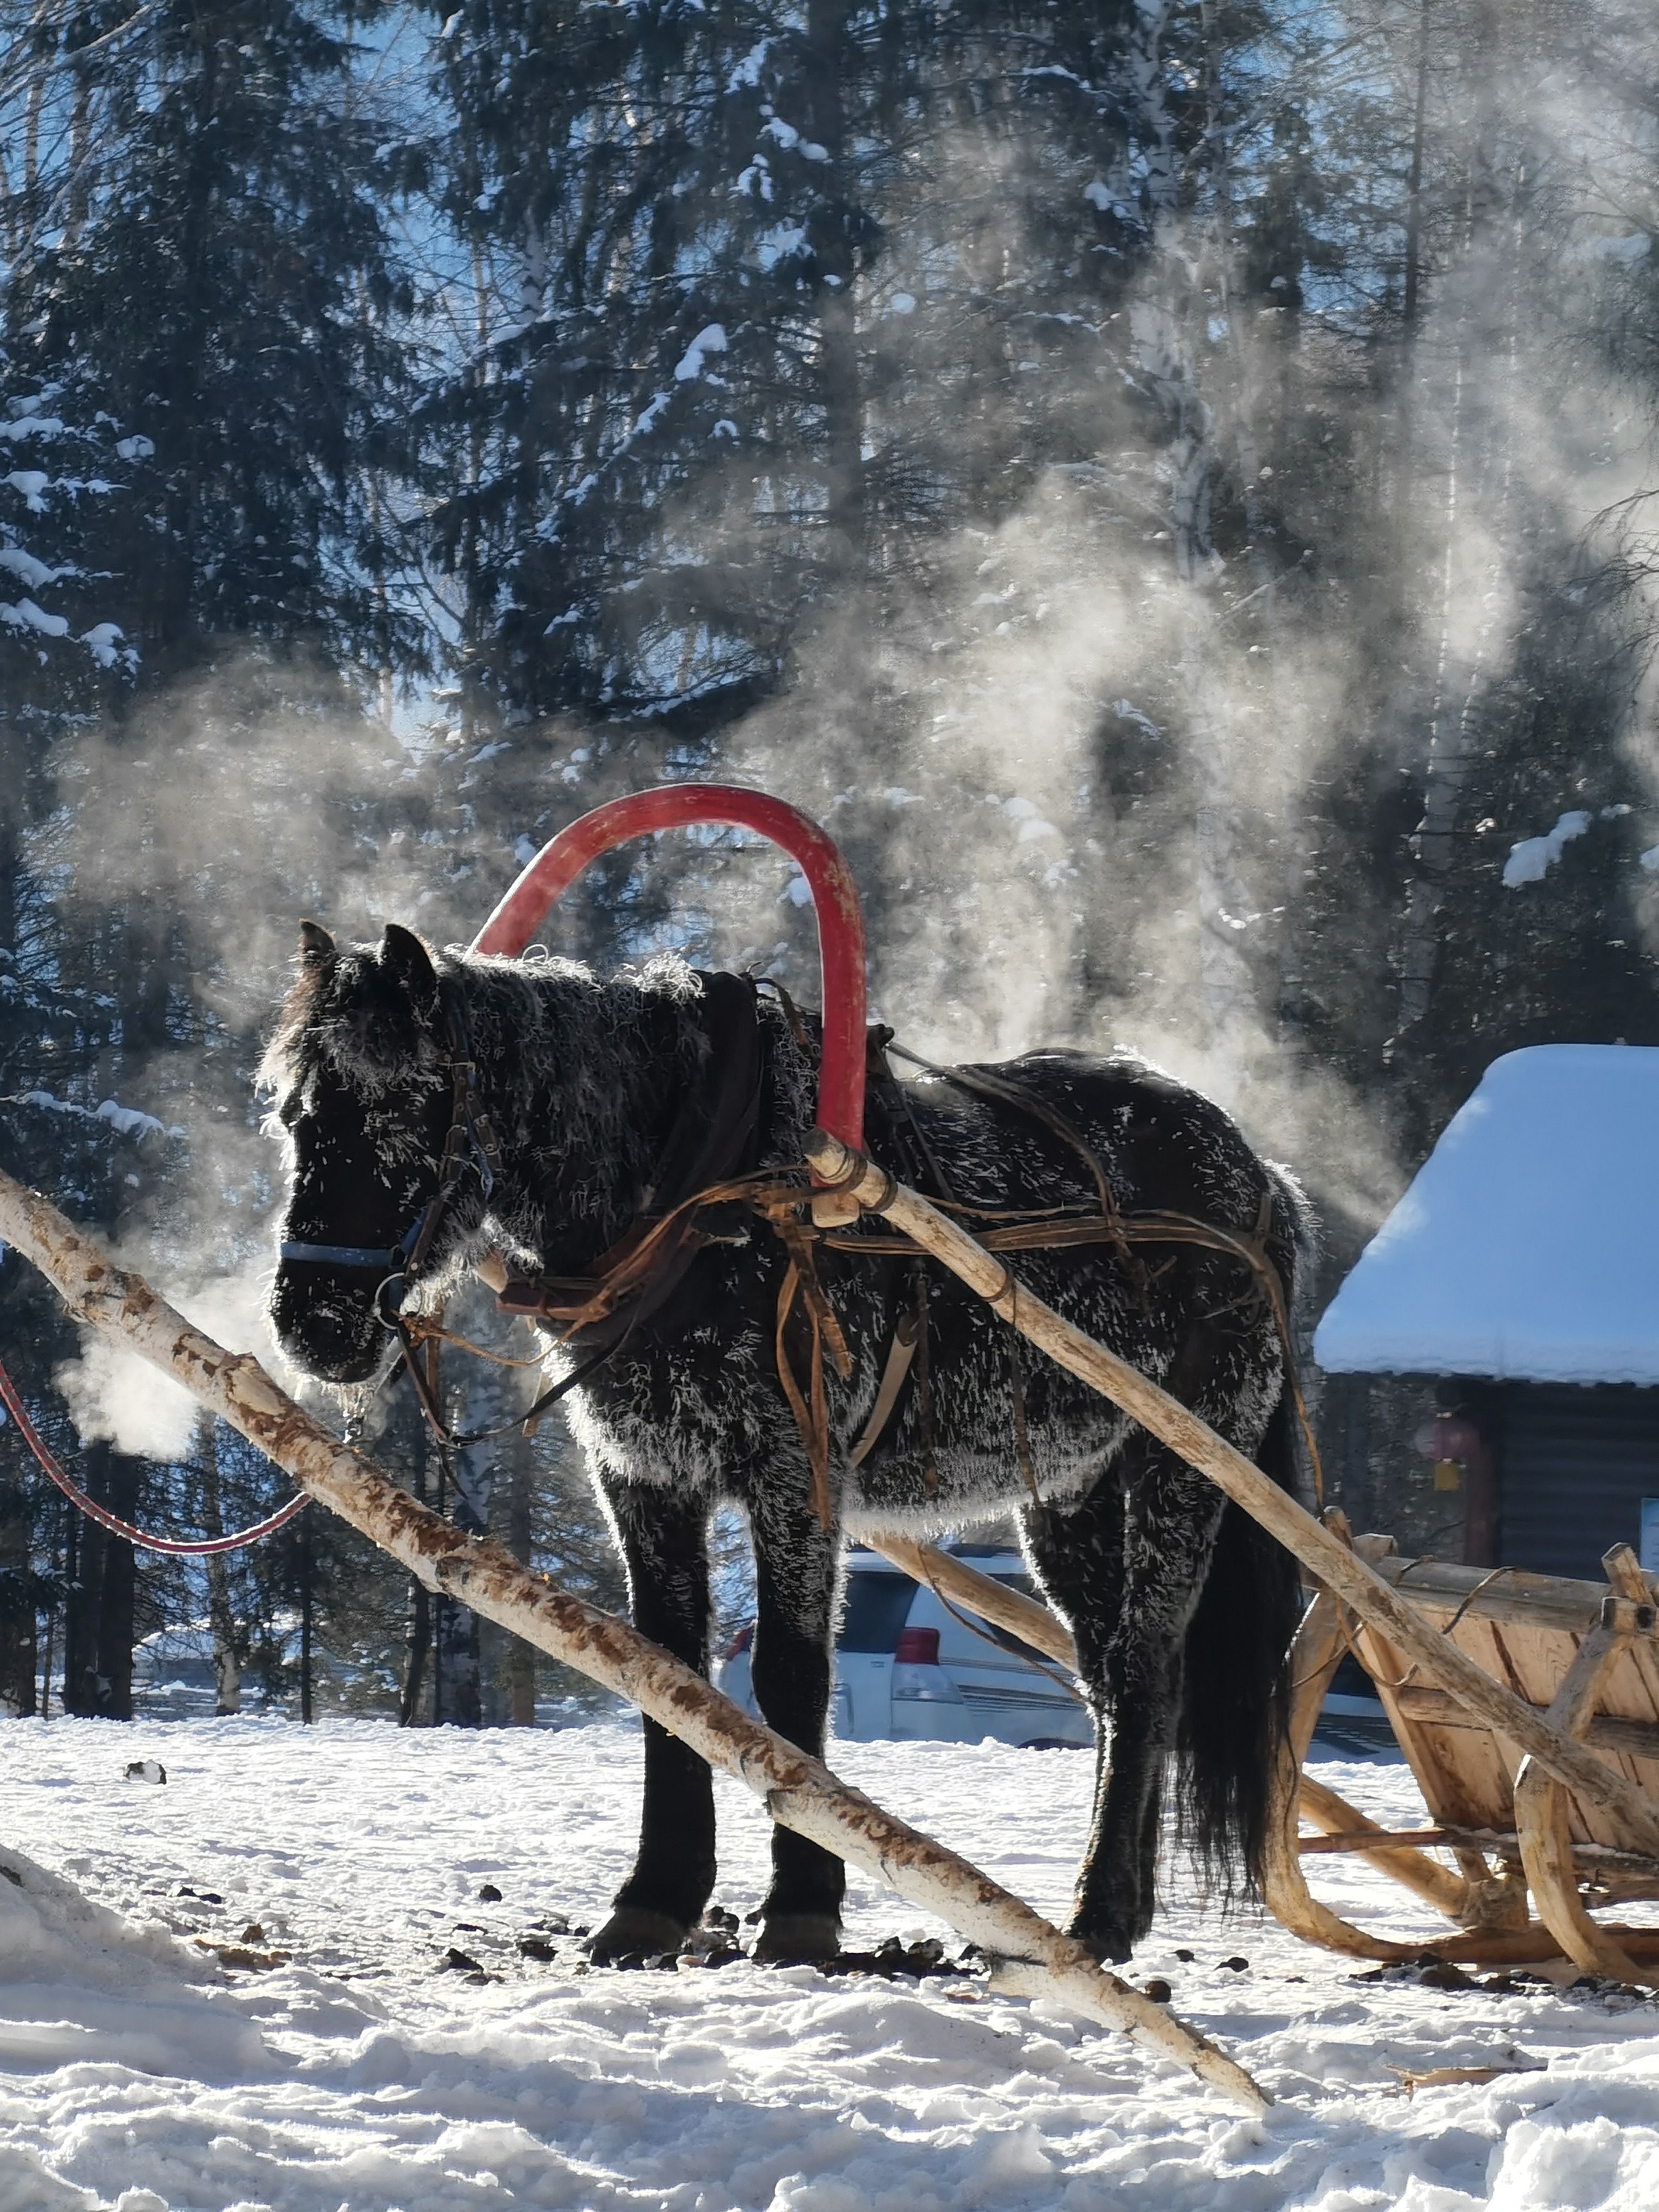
{"x": 741, "y": 1642}
{"x": 917, "y": 1647}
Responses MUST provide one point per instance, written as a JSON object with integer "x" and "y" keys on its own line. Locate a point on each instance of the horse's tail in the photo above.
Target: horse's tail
{"x": 1236, "y": 1688}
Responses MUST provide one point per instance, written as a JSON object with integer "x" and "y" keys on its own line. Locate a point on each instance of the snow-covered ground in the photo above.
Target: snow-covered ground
{"x": 359, "y": 2074}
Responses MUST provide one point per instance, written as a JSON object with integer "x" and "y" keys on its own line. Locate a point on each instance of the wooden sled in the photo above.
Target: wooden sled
{"x": 1529, "y": 1863}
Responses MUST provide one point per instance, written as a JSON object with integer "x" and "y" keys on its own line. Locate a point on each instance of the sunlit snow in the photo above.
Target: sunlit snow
{"x": 358, "y": 2072}
{"x": 1530, "y": 861}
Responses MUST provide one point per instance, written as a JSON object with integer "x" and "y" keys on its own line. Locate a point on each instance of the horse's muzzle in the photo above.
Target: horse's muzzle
{"x": 326, "y": 1322}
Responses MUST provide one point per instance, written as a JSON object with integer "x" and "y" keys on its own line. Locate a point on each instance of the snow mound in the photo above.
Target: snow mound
{"x": 78, "y": 1983}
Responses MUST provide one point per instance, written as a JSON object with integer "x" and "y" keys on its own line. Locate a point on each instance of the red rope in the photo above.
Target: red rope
{"x": 106, "y": 1519}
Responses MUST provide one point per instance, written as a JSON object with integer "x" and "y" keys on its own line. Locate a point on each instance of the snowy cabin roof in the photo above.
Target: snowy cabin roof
{"x": 1527, "y": 1247}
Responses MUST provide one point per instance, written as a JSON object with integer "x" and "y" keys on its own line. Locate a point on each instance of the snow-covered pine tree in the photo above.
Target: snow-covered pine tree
{"x": 200, "y": 283}
{"x": 62, "y": 653}
{"x": 209, "y": 251}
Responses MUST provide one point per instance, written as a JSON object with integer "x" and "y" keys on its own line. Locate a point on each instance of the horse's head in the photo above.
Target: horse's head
{"x": 361, "y": 1067}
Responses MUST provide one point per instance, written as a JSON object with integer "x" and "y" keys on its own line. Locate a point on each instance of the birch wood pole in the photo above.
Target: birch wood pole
{"x": 1326, "y": 1557}
{"x": 798, "y": 1792}
{"x": 953, "y": 1578}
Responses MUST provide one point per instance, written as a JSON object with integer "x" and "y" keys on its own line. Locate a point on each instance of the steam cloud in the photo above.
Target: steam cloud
{"x": 1075, "y": 766}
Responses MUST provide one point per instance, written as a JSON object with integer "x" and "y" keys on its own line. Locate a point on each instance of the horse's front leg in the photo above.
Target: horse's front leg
{"x": 664, "y": 1540}
{"x": 795, "y": 1562}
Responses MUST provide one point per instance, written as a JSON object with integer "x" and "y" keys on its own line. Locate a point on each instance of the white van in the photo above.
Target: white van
{"x": 909, "y": 1666}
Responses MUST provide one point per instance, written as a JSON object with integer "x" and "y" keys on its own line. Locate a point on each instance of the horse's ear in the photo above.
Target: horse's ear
{"x": 405, "y": 956}
{"x": 316, "y": 946}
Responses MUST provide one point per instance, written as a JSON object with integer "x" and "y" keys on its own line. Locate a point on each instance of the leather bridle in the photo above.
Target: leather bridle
{"x": 638, "y": 1274}
{"x": 469, "y": 1145}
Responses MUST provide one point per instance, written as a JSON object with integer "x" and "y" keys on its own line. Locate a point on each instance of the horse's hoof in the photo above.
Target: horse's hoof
{"x": 633, "y": 1931}
{"x": 797, "y": 1939}
{"x": 1109, "y": 1946}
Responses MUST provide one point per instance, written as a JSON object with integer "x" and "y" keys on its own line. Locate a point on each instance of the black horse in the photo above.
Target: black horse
{"x": 448, "y": 1111}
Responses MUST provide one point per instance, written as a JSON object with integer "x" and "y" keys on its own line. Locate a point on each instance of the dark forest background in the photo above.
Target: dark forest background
{"x": 1168, "y": 482}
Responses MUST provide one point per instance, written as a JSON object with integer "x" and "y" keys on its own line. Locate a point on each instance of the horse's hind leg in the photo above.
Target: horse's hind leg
{"x": 1127, "y": 1566}
{"x": 664, "y": 1540}
{"x": 1077, "y": 1552}
{"x": 1171, "y": 1520}
{"x": 790, "y": 1668}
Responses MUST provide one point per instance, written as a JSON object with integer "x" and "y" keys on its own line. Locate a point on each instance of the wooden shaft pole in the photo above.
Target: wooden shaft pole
{"x": 798, "y": 1791}
{"x": 1327, "y": 1557}
{"x": 991, "y": 1600}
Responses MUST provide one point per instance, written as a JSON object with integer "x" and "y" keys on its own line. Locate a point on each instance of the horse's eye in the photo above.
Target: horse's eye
{"x": 288, "y": 1112}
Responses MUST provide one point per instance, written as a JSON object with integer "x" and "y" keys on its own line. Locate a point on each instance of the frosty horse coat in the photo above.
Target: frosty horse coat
{"x": 1181, "y": 1608}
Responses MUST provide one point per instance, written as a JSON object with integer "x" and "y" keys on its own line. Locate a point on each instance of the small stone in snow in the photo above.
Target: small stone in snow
{"x": 488, "y": 1894}
{"x": 1160, "y": 1990}
{"x": 1236, "y": 1966}
{"x": 146, "y": 1770}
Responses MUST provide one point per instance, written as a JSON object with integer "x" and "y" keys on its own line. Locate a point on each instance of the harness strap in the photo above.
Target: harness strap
{"x": 810, "y": 1407}
{"x": 708, "y": 1154}
{"x": 899, "y": 1353}
{"x": 987, "y": 1085}
{"x": 425, "y": 1388}
{"x": 714, "y": 1131}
